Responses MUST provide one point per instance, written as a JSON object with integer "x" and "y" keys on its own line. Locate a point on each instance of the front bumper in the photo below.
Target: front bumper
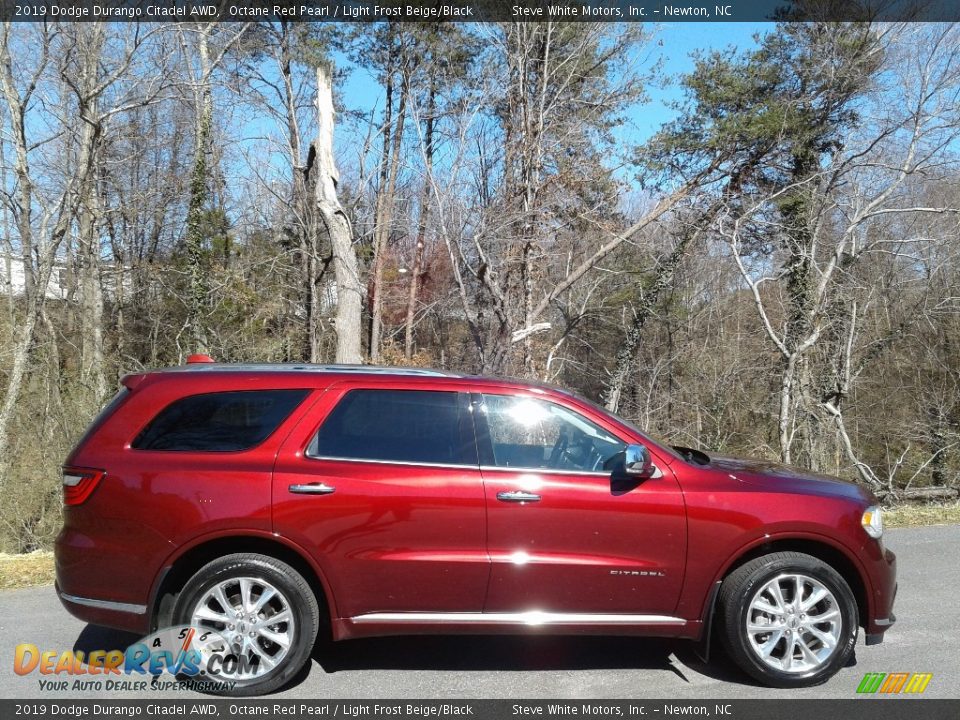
{"x": 882, "y": 572}
{"x": 877, "y": 638}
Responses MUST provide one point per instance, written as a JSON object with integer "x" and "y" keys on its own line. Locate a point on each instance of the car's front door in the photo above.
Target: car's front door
{"x": 563, "y": 535}
{"x": 381, "y": 484}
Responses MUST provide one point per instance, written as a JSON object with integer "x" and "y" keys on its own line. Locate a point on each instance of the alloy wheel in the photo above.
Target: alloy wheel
{"x": 255, "y": 620}
{"x": 793, "y": 623}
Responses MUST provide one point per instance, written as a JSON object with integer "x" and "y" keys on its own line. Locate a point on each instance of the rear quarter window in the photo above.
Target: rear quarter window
{"x": 219, "y": 422}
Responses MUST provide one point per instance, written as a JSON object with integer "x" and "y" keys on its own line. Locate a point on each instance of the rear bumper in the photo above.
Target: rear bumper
{"x": 103, "y": 583}
{"x": 122, "y": 616}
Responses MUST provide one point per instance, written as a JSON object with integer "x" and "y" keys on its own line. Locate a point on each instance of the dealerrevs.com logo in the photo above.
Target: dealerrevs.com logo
{"x": 894, "y": 683}
{"x": 173, "y": 658}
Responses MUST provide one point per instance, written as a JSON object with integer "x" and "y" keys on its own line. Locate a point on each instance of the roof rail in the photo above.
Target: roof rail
{"x": 204, "y": 363}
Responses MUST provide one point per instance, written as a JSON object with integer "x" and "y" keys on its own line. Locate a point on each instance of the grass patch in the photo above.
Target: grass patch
{"x": 28, "y": 570}
{"x": 925, "y": 514}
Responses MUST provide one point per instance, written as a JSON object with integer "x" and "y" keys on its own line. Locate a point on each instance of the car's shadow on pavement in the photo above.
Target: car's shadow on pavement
{"x": 523, "y": 653}
{"x": 95, "y": 637}
{"x": 479, "y": 653}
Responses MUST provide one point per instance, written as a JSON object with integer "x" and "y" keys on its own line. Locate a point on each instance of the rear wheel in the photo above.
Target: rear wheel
{"x": 788, "y": 619}
{"x": 264, "y": 610}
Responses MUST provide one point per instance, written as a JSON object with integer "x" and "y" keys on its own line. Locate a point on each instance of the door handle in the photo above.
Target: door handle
{"x": 312, "y": 489}
{"x": 518, "y": 496}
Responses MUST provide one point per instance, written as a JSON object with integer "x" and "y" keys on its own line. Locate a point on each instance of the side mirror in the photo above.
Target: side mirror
{"x": 637, "y": 462}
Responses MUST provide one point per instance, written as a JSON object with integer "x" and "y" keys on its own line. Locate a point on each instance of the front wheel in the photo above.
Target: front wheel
{"x": 788, "y": 619}
{"x": 266, "y": 614}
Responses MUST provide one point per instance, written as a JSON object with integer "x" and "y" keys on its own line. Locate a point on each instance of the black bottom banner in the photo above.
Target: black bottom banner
{"x": 875, "y": 708}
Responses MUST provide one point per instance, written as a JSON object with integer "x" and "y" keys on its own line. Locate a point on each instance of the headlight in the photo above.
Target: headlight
{"x": 872, "y": 521}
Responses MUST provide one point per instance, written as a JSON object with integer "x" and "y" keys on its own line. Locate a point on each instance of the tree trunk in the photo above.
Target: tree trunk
{"x": 121, "y": 257}
{"x": 91, "y": 295}
{"x": 334, "y": 219}
{"x": 530, "y": 72}
{"x": 799, "y": 423}
{"x": 7, "y": 245}
{"x": 626, "y": 355}
{"x": 418, "y": 249}
{"x": 37, "y": 270}
{"x": 785, "y": 417}
{"x": 195, "y": 245}
{"x": 303, "y": 220}
{"x": 92, "y": 364}
{"x": 381, "y": 230}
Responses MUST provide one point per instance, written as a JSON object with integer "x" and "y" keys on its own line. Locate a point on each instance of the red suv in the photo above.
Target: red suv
{"x": 265, "y": 502}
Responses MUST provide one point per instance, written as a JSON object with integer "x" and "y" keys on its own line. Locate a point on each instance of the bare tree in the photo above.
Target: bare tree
{"x": 46, "y": 209}
{"x": 828, "y": 224}
{"x": 209, "y": 59}
{"x": 337, "y": 226}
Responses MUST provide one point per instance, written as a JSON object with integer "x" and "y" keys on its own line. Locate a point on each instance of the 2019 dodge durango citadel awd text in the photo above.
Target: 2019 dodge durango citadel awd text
{"x": 268, "y": 503}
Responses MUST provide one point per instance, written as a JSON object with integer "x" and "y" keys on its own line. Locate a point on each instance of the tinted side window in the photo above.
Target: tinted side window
{"x": 412, "y": 426}
{"x": 529, "y": 433}
{"x": 219, "y": 422}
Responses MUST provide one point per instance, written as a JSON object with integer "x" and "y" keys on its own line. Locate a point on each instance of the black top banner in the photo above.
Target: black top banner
{"x": 478, "y": 10}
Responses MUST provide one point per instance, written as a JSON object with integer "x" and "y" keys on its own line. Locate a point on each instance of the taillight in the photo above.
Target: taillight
{"x": 79, "y": 482}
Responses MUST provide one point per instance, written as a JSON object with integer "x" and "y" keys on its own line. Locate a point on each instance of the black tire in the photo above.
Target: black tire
{"x": 738, "y": 591}
{"x": 294, "y": 588}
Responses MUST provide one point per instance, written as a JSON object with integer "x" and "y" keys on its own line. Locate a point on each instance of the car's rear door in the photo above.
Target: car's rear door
{"x": 564, "y": 536}
{"x": 381, "y": 483}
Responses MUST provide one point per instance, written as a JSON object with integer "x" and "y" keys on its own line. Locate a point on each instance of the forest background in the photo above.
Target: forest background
{"x": 750, "y": 251}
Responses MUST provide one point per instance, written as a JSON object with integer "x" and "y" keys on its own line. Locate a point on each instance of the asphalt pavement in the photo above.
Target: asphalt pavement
{"x": 926, "y": 638}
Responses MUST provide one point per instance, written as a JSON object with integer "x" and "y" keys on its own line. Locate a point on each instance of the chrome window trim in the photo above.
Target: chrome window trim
{"x": 405, "y": 463}
{"x": 105, "y": 604}
{"x": 543, "y": 471}
{"x": 532, "y": 617}
{"x": 454, "y": 466}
